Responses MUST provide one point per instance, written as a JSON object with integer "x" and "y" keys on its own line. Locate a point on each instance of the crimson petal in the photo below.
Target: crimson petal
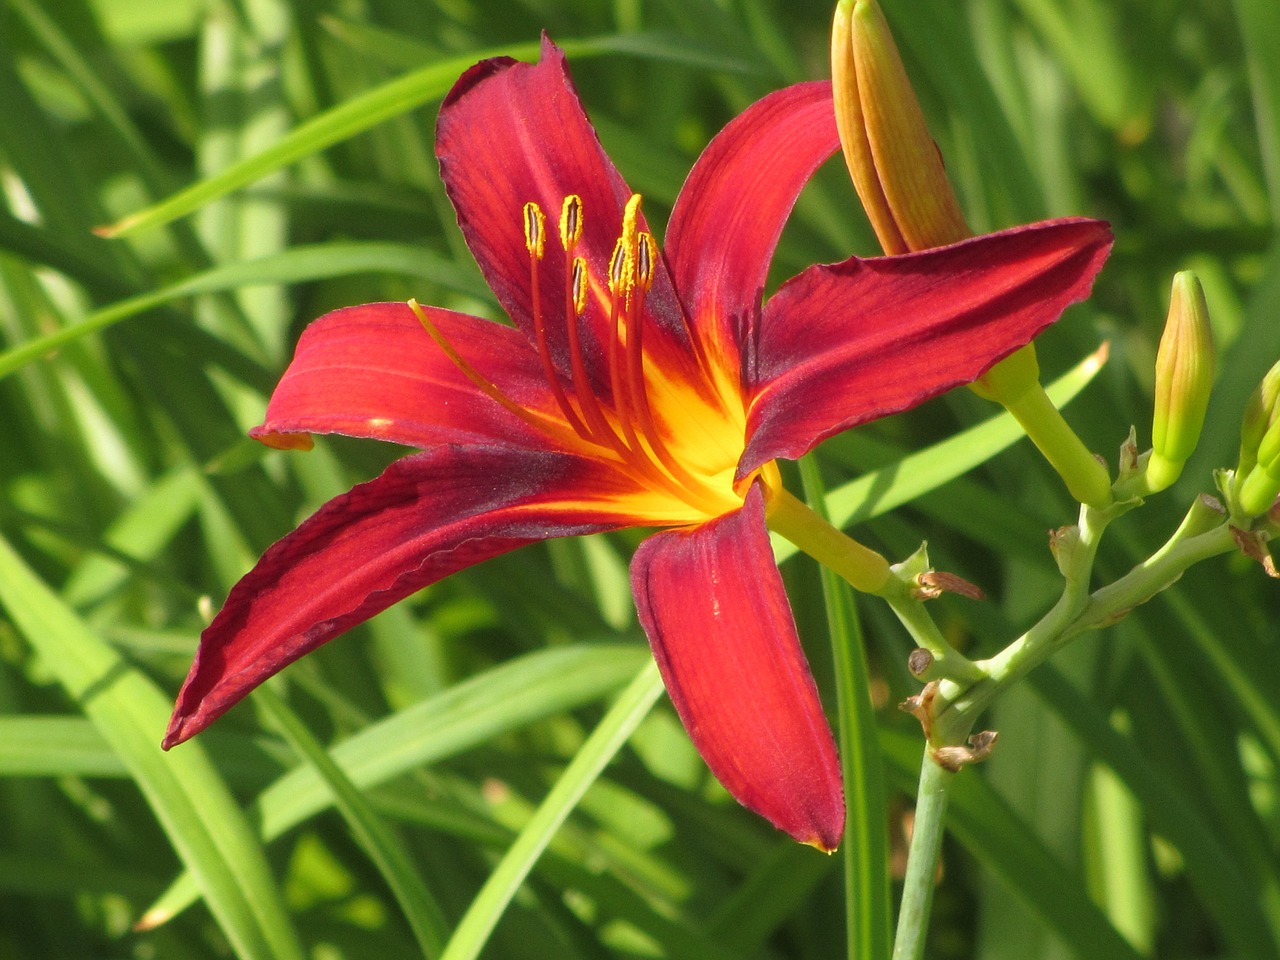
{"x": 727, "y": 220}
{"x": 843, "y": 344}
{"x": 712, "y": 603}
{"x": 429, "y": 515}
{"x": 373, "y": 371}
{"x": 509, "y": 133}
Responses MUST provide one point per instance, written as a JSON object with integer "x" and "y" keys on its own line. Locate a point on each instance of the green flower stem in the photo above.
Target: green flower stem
{"x": 860, "y": 566}
{"x": 922, "y": 859}
{"x": 867, "y": 571}
{"x": 1202, "y": 534}
{"x": 947, "y": 661}
{"x": 1085, "y": 477}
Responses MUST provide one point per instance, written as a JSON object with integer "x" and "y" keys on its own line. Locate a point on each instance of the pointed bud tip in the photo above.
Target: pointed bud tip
{"x": 1184, "y": 378}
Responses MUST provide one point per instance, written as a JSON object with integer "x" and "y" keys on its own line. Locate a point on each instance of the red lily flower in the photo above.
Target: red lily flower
{"x": 635, "y": 390}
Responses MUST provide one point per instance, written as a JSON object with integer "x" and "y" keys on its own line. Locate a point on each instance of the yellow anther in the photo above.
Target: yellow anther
{"x": 619, "y": 274}
{"x": 622, "y": 265}
{"x": 571, "y": 222}
{"x": 630, "y": 216}
{"x": 535, "y": 231}
{"x": 580, "y": 285}
{"x": 646, "y": 257}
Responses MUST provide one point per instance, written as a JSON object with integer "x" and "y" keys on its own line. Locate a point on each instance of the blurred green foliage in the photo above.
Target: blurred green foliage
{"x": 1131, "y": 808}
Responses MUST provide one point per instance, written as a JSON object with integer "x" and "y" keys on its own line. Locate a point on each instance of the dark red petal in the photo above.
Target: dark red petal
{"x": 840, "y": 345}
{"x": 427, "y": 516}
{"x": 730, "y": 212}
{"x": 373, "y": 371}
{"x": 712, "y": 602}
{"x": 510, "y": 133}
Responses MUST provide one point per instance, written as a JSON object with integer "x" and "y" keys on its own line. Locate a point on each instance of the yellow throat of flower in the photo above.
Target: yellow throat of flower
{"x": 679, "y": 437}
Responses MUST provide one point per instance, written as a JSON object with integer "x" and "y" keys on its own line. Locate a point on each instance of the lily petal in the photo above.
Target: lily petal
{"x": 427, "y": 516}
{"x": 727, "y": 220}
{"x": 373, "y": 371}
{"x": 843, "y": 344}
{"x": 712, "y": 603}
{"x": 510, "y": 133}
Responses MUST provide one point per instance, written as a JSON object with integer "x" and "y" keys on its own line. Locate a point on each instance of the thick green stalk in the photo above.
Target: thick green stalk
{"x": 922, "y": 860}
{"x": 1085, "y": 477}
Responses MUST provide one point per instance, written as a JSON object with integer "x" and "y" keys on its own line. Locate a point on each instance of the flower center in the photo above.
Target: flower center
{"x": 686, "y": 450}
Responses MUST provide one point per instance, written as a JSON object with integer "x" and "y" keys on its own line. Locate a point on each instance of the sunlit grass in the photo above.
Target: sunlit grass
{"x": 1132, "y": 803}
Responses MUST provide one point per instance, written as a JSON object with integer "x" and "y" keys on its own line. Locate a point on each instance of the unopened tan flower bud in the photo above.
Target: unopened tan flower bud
{"x": 896, "y": 167}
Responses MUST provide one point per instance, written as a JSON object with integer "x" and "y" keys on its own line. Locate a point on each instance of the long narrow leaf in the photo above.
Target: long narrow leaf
{"x": 491, "y": 902}
{"x": 333, "y": 126}
{"x": 868, "y": 905}
{"x": 295, "y": 265}
{"x": 420, "y": 908}
{"x": 207, "y": 829}
{"x": 505, "y": 698}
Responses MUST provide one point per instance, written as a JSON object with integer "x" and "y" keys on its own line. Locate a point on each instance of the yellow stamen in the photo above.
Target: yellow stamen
{"x": 535, "y": 231}
{"x": 580, "y": 285}
{"x": 618, "y": 277}
{"x": 571, "y": 222}
{"x": 646, "y": 257}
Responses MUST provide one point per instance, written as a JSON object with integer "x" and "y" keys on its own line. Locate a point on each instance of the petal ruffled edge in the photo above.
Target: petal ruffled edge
{"x": 712, "y": 603}
{"x": 426, "y": 517}
{"x": 848, "y": 343}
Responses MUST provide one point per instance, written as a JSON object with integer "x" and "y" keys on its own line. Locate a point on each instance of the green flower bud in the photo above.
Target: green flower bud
{"x": 1184, "y": 377}
{"x": 1257, "y": 475}
{"x": 1259, "y": 415}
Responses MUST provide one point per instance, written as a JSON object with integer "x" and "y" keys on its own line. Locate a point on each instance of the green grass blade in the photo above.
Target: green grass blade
{"x": 1259, "y": 22}
{"x": 1212, "y": 869}
{"x": 203, "y": 823}
{"x": 868, "y": 902}
{"x": 507, "y": 697}
{"x": 296, "y": 265}
{"x": 606, "y": 740}
{"x": 55, "y": 747}
{"x": 333, "y": 126}
{"x": 424, "y": 914}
